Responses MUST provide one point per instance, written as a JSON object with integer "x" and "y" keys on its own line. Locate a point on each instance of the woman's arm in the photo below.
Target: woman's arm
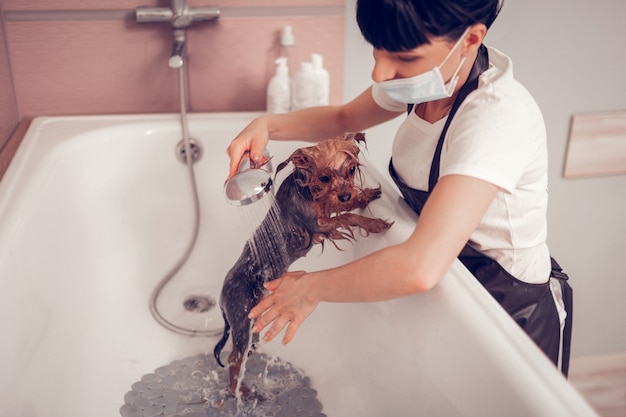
{"x": 310, "y": 124}
{"x": 454, "y": 209}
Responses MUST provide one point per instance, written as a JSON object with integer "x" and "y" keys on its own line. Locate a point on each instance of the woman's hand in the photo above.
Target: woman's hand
{"x": 253, "y": 138}
{"x": 288, "y": 305}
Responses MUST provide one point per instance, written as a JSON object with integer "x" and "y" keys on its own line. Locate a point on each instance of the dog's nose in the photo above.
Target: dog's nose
{"x": 345, "y": 197}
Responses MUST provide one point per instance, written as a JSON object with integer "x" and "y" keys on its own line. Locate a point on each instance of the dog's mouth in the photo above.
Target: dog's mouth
{"x": 339, "y": 205}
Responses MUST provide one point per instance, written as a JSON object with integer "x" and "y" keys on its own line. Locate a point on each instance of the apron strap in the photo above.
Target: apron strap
{"x": 480, "y": 65}
{"x": 568, "y": 301}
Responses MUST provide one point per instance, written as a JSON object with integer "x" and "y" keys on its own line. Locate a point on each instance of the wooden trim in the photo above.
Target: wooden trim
{"x": 597, "y": 145}
{"x": 10, "y": 148}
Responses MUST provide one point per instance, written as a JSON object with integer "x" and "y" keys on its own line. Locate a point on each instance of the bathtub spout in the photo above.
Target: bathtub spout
{"x": 176, "y": 59}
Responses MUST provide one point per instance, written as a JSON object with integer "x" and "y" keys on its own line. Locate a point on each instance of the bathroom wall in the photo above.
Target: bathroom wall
{"x": 570, "y": 55}
{"x": 8, "y": 107}
{"x": 76, "y": 57}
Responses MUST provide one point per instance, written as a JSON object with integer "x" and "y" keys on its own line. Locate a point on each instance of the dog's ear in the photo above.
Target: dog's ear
{"x": 302, "y": 159}
{"x": 355, "y": 136}
{"x": 299, "y": 158}
{"x": 359, "y": 137}
{"x": 282, "y": 165}
{"x": 301, "y": 162}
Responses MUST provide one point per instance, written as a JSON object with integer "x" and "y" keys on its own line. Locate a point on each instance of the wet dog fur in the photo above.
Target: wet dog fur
{"x": 312, "y": 205}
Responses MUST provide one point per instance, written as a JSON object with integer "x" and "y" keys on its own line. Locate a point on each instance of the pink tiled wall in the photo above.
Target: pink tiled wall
{"x": 90, "y": 62}
{"x": 122, "y": 4}
{"x": 8, "y": 108}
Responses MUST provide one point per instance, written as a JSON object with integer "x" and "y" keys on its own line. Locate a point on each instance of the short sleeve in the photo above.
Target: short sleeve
{"x": 496, "y": 139}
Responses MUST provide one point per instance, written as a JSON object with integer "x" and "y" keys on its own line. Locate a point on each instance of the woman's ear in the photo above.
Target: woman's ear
{"x": 474, "y": 38}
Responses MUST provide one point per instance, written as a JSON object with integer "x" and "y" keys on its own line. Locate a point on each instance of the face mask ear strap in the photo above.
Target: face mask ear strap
{"x": 458, "y": 68}
{"x": 458, "y": 42}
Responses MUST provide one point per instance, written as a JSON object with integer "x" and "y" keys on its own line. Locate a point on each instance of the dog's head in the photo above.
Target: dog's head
{"x": 328, "y": 171}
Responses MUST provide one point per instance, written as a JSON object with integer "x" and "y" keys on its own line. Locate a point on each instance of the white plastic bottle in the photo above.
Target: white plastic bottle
{"x": 322, "y": 81}
{"x": 303, "y": 94}
{"x": 279, "y": 89}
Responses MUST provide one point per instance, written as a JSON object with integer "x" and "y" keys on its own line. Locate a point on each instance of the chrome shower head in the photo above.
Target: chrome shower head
{"x": 250, "y": 183}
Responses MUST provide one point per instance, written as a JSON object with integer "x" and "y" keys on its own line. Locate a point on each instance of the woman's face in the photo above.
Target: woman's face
{"x": 405, "y": 64}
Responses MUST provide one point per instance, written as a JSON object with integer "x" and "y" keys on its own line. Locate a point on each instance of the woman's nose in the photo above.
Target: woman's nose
{"x": 383, "y": 69}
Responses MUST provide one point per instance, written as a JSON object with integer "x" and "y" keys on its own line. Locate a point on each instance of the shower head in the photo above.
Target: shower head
{"x": 247, "y": 187}
{"x": 250, "y": 183}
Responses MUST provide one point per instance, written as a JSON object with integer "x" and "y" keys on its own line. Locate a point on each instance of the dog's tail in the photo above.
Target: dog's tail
{"x": 220, "y": 345}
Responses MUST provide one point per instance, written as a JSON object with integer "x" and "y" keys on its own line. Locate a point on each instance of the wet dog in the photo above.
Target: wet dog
{"x": 312, "y": 205}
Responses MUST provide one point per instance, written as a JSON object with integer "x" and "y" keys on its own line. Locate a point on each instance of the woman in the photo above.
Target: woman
{"x": 470, "y": 158}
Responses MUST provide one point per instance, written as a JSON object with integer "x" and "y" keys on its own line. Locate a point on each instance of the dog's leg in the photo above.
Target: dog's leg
{"x": 339, "y": 224}
{"x": 235, "y": 359}
{"x": 366, "y": 196}
{"x": 235, "y": 364}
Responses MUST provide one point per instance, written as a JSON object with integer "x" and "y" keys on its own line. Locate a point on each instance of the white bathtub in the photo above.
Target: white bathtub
{"x": 95, "y": 210}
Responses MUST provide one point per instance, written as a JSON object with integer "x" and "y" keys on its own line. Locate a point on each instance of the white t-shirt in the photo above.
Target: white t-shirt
{"x": 497, "y": 135}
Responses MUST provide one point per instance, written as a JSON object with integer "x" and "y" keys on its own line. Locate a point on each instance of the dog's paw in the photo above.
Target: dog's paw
{"x": 371, "y": 194}
{"x": 381, "y": 225}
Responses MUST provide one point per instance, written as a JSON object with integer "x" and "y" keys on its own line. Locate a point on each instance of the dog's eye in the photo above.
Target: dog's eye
{"x": 324, "y": 178}
{"x": 352, "y": 170}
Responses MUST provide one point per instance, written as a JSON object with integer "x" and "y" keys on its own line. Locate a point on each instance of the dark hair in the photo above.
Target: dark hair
{"x": 401, "y": 25}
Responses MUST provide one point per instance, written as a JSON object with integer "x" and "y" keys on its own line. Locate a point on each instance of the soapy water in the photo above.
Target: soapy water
{"x": 197, "y": 386}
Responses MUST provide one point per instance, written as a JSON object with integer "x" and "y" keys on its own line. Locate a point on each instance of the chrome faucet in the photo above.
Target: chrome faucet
{"x": 180, "y": 17}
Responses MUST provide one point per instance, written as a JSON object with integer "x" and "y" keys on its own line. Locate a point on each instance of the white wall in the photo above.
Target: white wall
{"x": 570, "y": 55}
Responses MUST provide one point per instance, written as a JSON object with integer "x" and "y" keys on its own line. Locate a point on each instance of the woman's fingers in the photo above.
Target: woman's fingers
{"x": 279, "y": 322}
{"x": 283, "y": 308}
{"x": 266, "y": 302}
{"x": 253, "y": 138}
{"x": 257, "y": 311}
{"x": 272, "y": 285}
{"x": 256, "y": 152}
{"x": 235, "y": 152}
{"x": 290, "y": 333}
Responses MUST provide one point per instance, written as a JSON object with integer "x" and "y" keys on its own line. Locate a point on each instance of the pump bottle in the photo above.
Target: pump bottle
{"x": 279, "y": 89}
{"x": 303, "y": 87}
{"x": 322, "y": 81}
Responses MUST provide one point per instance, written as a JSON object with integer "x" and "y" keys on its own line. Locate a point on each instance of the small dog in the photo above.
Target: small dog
{"x": 312, "y": 205}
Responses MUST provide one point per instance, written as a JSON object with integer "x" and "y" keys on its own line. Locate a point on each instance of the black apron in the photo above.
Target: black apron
{"x": 530, "y": 305}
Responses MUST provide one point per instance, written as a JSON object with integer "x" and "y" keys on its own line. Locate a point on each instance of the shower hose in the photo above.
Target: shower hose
{"x": 196, "y": 225}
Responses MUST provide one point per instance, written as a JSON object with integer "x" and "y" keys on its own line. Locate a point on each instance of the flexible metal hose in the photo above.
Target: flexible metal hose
{"x": 196, "y": 226}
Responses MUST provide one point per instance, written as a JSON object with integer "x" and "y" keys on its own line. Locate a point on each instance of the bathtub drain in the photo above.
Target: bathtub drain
{"x": 196, "y": 386}
{"x": 199, "y": 303}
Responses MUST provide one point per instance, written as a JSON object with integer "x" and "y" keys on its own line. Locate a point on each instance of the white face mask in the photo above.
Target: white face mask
{"x": 428, "y": 86}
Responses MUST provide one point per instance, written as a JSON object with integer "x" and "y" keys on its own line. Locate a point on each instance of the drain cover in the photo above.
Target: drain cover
{"x": 194, "y": 147}
{"x": 199, "y": 303}
{"x": 197, "y": 386}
